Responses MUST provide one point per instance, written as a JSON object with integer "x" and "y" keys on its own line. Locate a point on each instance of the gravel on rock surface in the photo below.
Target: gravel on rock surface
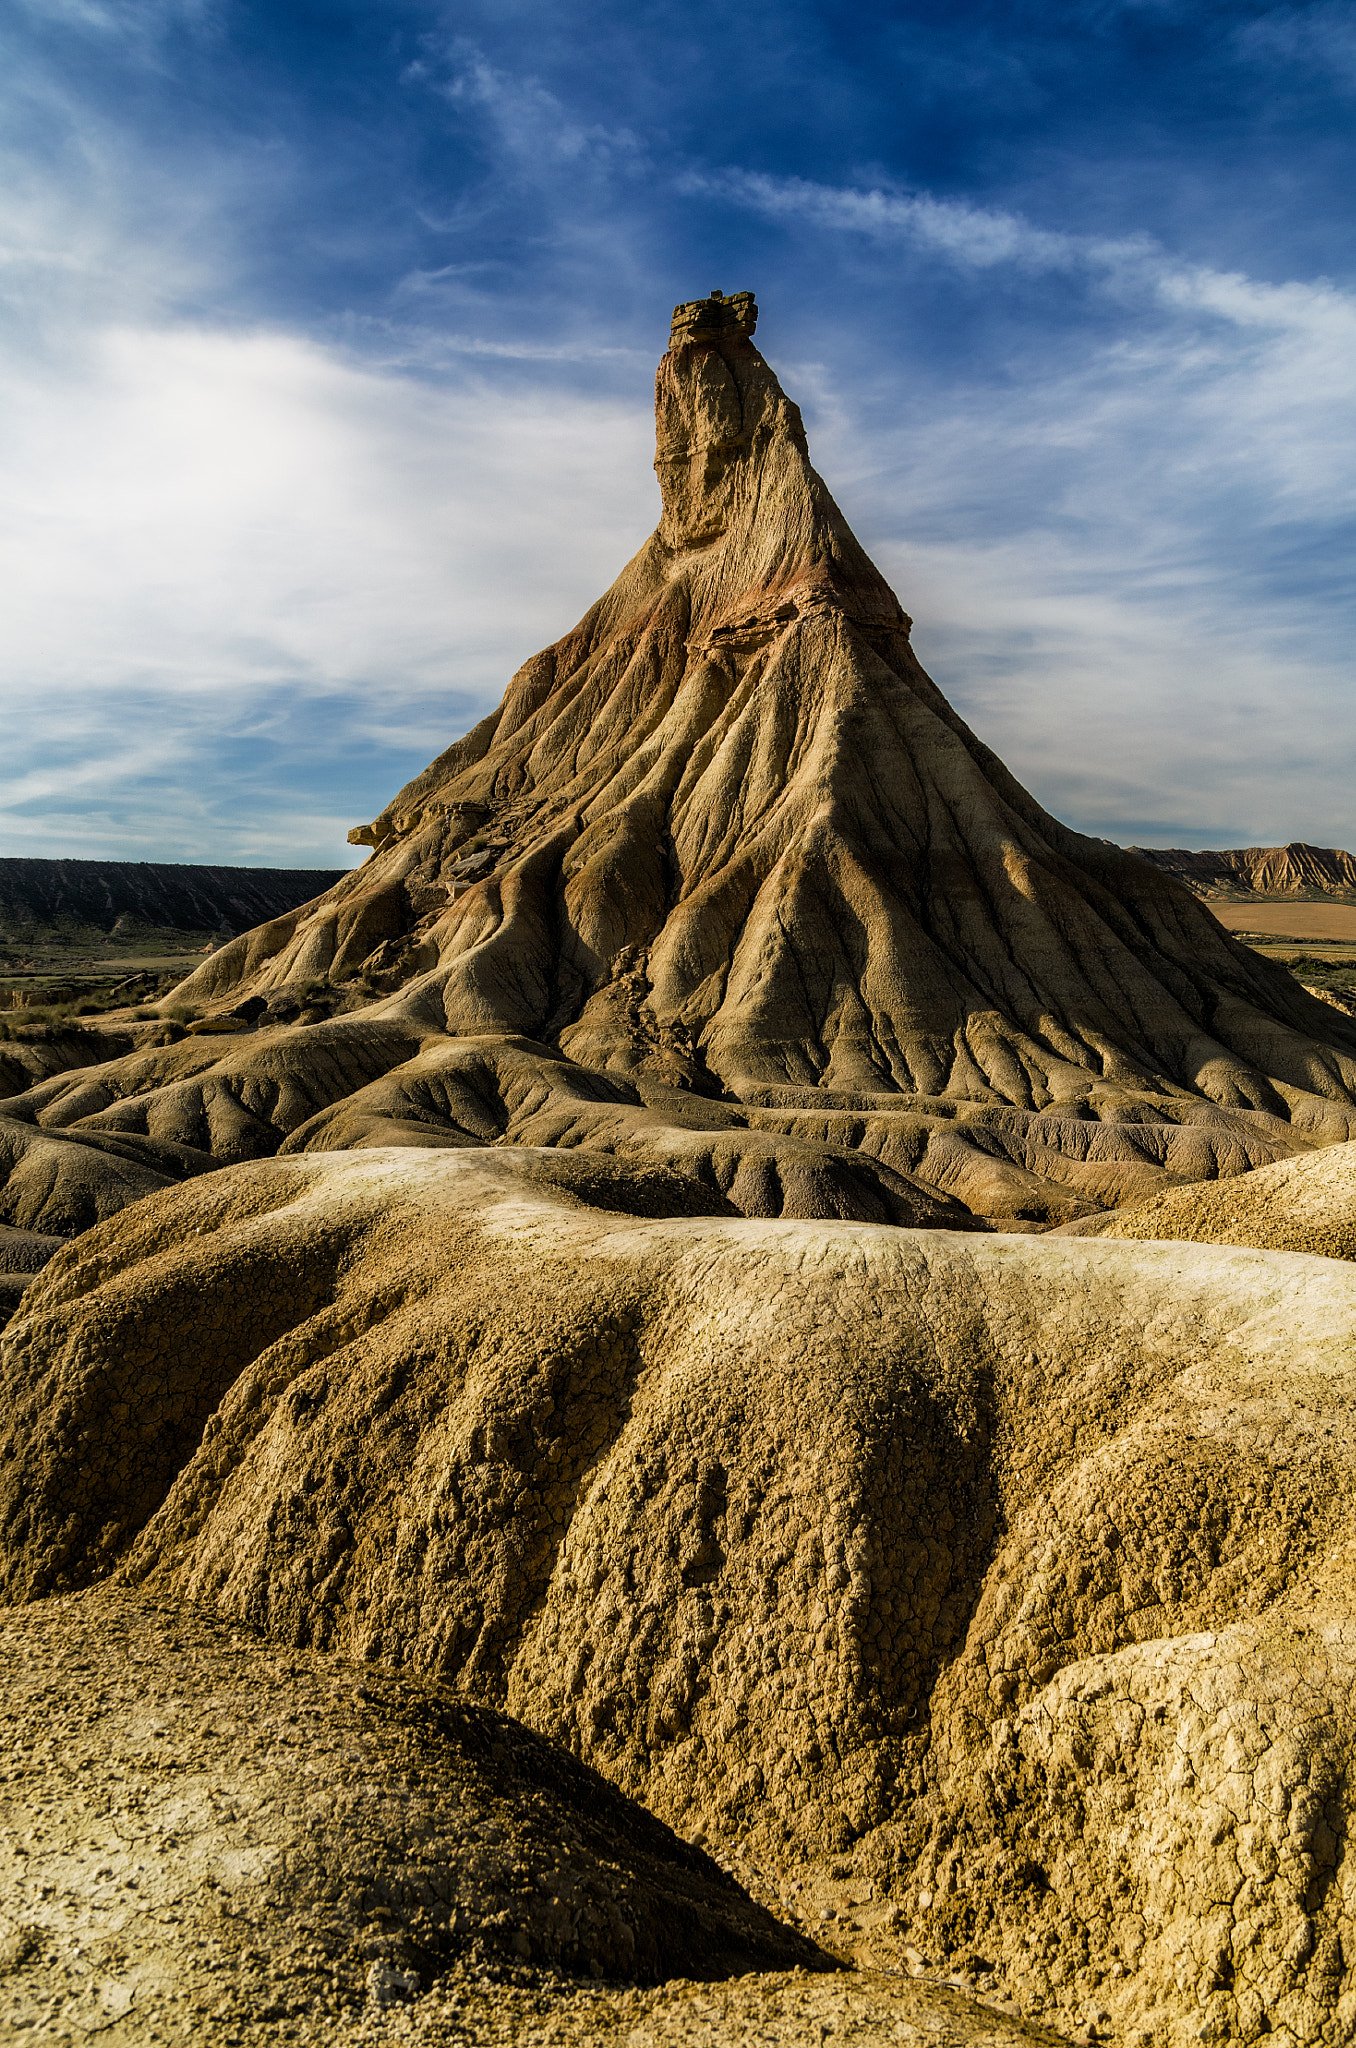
{"x": 204, "y": 1834}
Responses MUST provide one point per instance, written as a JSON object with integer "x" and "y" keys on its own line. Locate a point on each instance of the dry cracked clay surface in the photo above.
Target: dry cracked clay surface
{"x": 207, "y": 1838}
{"x": 990, "y": 1597}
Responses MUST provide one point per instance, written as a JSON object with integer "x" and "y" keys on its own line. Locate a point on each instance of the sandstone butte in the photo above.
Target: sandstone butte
{"x": 746, "y": 1433}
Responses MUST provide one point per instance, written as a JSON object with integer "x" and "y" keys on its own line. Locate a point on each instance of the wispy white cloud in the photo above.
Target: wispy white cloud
{"x": 135, "y": 20}
{"x": 532, "y": 124}
{"x": 198, "y": 524}
{"x": 973, "y": 236}
{"x": 260, "y": 574}
{"x": 1320, "y": 37}
{"x": 1122, "y": 567}
{"x": 982, "y": 238}
{"x": 255, "y": 578}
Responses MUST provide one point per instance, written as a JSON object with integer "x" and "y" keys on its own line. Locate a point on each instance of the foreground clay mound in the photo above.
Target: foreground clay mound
{"x": 198, "y": 1828}
{"x": 206, "y": 1837}
{"x": 1301, "y": 1205}
{"x": 1000, "y": 1587}
{"x": 727, "y": 843}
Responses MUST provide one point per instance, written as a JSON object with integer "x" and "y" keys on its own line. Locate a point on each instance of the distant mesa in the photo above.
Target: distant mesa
{"x": 166, "y": 895}
{"x": 1294, "y": 870}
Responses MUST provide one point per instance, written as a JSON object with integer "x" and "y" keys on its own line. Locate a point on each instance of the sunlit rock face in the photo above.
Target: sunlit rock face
{"x": 999, "y": 1585}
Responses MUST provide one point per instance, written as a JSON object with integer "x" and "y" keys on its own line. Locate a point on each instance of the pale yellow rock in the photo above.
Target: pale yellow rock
{"x": 995, "y": 1590}
{"x": 1299, "y": 1205}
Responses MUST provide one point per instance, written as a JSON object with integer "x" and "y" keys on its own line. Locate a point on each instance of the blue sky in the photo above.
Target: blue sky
{"x": 327, "y": 355}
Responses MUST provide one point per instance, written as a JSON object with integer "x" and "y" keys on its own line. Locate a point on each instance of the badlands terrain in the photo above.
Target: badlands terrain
{"x": 710, "y": 1402}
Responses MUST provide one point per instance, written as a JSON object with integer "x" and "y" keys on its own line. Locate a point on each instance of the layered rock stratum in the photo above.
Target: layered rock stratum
{"x": 1295, "y": 870}
{"x": 38, "y": 897}
{"x": 631, "y": 1321}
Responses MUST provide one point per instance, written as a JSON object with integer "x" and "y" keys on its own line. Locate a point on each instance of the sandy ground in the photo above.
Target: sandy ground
{"x": 1323, "y": 921}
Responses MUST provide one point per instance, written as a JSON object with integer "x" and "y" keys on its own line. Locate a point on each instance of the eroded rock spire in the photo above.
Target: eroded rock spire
{"x": 727, "y": 838}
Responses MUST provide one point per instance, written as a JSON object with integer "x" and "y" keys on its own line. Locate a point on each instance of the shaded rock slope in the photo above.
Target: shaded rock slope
{"x": 202, "y": 1832}
{"x": 990, "y": 1596}
{"x": 726, "y": 880}
{"x": 99, "y": 895}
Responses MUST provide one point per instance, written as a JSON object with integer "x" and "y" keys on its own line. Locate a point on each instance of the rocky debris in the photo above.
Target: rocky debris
{"x": 1298, "y": 1205}
{"x": 1295, "y": 870}
{"x": 772, "y": 2010}
{"x": 979, "y": 1598}
{"x": 200, "y": 1831}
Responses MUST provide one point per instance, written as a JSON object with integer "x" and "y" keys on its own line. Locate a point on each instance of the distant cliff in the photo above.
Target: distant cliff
{"x": 100, "y": 895}
{"x": 1294, "y": 870}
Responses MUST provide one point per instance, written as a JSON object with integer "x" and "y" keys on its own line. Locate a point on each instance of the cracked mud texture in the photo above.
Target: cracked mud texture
{"x": 1297, "y": 1205}
{"x": 202, "y": 1832}
{"x": 990, "y": 1596}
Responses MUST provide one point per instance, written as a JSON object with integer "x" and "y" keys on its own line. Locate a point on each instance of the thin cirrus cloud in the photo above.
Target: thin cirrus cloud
{"x": 1149, "y": 530}
{"x": 327, "y": 351}
{"x": 1321, "y": 37}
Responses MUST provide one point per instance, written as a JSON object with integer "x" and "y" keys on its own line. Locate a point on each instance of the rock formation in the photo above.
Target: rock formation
{"x": 1296, "y": 870}
{"x": 1001, "y": 1582}
{"x": 600, "y": 1313}
{"x": 725, "y": 880}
